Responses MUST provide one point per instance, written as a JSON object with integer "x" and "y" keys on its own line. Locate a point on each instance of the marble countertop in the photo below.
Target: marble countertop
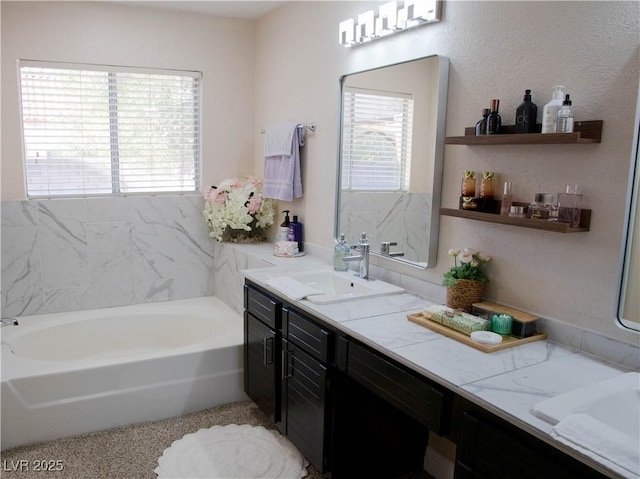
{"x": 507, "y": 383}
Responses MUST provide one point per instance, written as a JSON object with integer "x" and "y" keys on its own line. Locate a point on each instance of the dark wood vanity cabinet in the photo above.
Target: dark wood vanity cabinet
{"x": 287, "y": 372}
{"x": 306, "y": 404}
{"x": 353, "y": 411}
{"x": 489, "y": 447}
{"x": 414, "y": 395}
{"x": 262, "y": 317}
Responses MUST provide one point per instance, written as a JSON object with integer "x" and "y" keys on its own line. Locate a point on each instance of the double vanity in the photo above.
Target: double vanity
{"x": 358, "y": 388}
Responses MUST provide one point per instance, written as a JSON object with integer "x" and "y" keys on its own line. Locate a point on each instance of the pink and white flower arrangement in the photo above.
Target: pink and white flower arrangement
{"x": 470, "y": 266}
{"x": 238, "y": 205}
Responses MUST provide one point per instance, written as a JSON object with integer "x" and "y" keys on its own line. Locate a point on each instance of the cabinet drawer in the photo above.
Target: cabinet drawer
{"x": 308, "y": 335}
{"x": 429, "y": 404}
{"x": 264, "y": 307}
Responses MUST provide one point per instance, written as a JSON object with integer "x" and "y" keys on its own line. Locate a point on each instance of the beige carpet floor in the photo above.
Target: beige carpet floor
{"x": 128, "y": 452}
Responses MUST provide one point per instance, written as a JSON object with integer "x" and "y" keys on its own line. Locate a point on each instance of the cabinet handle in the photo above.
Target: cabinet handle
{"x": 268, "y": 358}
{"x": 285, "y": 365}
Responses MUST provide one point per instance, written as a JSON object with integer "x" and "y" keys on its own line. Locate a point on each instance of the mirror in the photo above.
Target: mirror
{"x": 628, "y": 297}
{"x": 392, "y": 122}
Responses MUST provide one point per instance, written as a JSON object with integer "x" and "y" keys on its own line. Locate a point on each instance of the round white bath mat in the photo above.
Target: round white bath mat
{"x": 232, "y": 451}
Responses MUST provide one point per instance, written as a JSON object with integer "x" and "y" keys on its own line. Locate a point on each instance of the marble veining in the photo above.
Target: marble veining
{"x": 519, "y": 390}
{"x": 85, "y": 253}
{"x": 376, "y": 213}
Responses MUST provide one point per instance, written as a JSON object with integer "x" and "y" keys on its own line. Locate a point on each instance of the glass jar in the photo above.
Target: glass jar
{"x": 468, "y": 188}
{"x": 540, "y": 208}
{"x": 488, "y": 185}
{"x": 569, "y": 206}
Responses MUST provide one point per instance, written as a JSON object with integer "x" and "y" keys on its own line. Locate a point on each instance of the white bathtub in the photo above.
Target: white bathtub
{"x": 71, "y": 373}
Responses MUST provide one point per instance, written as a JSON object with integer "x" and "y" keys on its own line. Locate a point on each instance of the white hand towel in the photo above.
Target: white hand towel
{"x": 615, "y": 449}
{"x": 292, "y": 288}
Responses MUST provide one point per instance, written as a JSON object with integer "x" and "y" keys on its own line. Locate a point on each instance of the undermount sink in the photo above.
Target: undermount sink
{"x": 324, "y": 287}
{"x": 614, "y": 402}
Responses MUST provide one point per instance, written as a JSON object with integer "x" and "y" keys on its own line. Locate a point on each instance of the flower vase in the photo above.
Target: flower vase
{"x": 464, "y": 293}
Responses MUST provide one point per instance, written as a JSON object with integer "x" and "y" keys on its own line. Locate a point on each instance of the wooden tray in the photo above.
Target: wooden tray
{"x": 507, "y": 341}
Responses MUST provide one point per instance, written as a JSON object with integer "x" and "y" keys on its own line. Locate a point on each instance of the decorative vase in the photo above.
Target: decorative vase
{"x": 464, "y": 293}
{"x": 256, "y": 235}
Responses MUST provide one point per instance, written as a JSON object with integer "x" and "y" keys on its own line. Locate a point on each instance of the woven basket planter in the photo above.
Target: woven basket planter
{"x": 464, "y": 293}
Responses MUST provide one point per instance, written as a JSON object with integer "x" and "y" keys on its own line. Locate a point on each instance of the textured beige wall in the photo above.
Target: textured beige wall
{"x": 497, "y": 50}
{"x": 95, "y": 32}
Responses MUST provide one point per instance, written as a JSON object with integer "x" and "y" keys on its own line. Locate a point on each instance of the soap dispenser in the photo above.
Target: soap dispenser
{"x": 550, "y": 110}
{"x": 341, "y": 250}
{"x": 283, "y": 233}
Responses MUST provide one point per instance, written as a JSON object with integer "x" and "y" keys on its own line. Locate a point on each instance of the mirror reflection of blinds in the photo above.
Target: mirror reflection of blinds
{"x": 376, "y": 148}
{"x": 95, "y": 130}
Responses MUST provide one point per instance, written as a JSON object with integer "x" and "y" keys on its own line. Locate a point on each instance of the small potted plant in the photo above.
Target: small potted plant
{"x": 466, "y": 280}
{"x": 236, "y": 211}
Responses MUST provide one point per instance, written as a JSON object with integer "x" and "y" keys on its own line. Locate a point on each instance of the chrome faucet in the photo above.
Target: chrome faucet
{"x": 363, "y": 257}
{"x": 385, "y": 249}
{"x": 9, "y": 322}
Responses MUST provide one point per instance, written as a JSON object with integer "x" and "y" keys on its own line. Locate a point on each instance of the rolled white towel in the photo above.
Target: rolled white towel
{"x": 613, "y": 448}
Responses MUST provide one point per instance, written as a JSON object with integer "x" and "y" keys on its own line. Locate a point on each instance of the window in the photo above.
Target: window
{"x": 376, "y": 148}
{"x": 95, "y": 130}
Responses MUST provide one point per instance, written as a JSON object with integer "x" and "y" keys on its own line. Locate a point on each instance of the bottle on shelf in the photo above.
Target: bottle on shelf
{"x": 340, "y": 251}
{"x": 550, "y": 110}
{"x": 564, "y": 122}
{"x": 540, "y": 208}
{"x": 526, "y": 115}
{"x": 507, "y": 199}
{"x": 569, "y": 206}
{"x": 481, "y": 126}
{"x": 494, "y": 122}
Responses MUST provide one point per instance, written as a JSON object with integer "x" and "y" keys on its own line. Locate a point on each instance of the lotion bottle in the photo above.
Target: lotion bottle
{"x": 295, "y": 232}
{"x": 551, "y": 109}
{"x": 283, "y": 234}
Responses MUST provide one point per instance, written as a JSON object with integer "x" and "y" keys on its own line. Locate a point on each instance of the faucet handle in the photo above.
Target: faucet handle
{"x": 385, "y": 246}
{"x": 363, "y": 238}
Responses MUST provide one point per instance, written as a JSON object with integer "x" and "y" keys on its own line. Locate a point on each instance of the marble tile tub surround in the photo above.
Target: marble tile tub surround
{"x": 84, "y": 253}
{"x": 382, "y": 222}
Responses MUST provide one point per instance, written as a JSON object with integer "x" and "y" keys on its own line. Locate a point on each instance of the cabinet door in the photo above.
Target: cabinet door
{"x": 489, "y": 450}
{"x": 261, "y": 361}
{"x": 305, "y": 404}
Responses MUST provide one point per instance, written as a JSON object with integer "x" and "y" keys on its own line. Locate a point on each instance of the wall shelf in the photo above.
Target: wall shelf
{"x": 585, "y": 220}
{"x": 584, "y": 132}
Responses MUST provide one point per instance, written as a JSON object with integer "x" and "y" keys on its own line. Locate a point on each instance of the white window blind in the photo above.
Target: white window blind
{"x": 95, "y": 130}
{"x": 376, "y": 145}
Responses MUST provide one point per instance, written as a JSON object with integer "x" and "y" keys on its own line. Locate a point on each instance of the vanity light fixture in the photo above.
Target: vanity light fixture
{"x": 392, "y": 17}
